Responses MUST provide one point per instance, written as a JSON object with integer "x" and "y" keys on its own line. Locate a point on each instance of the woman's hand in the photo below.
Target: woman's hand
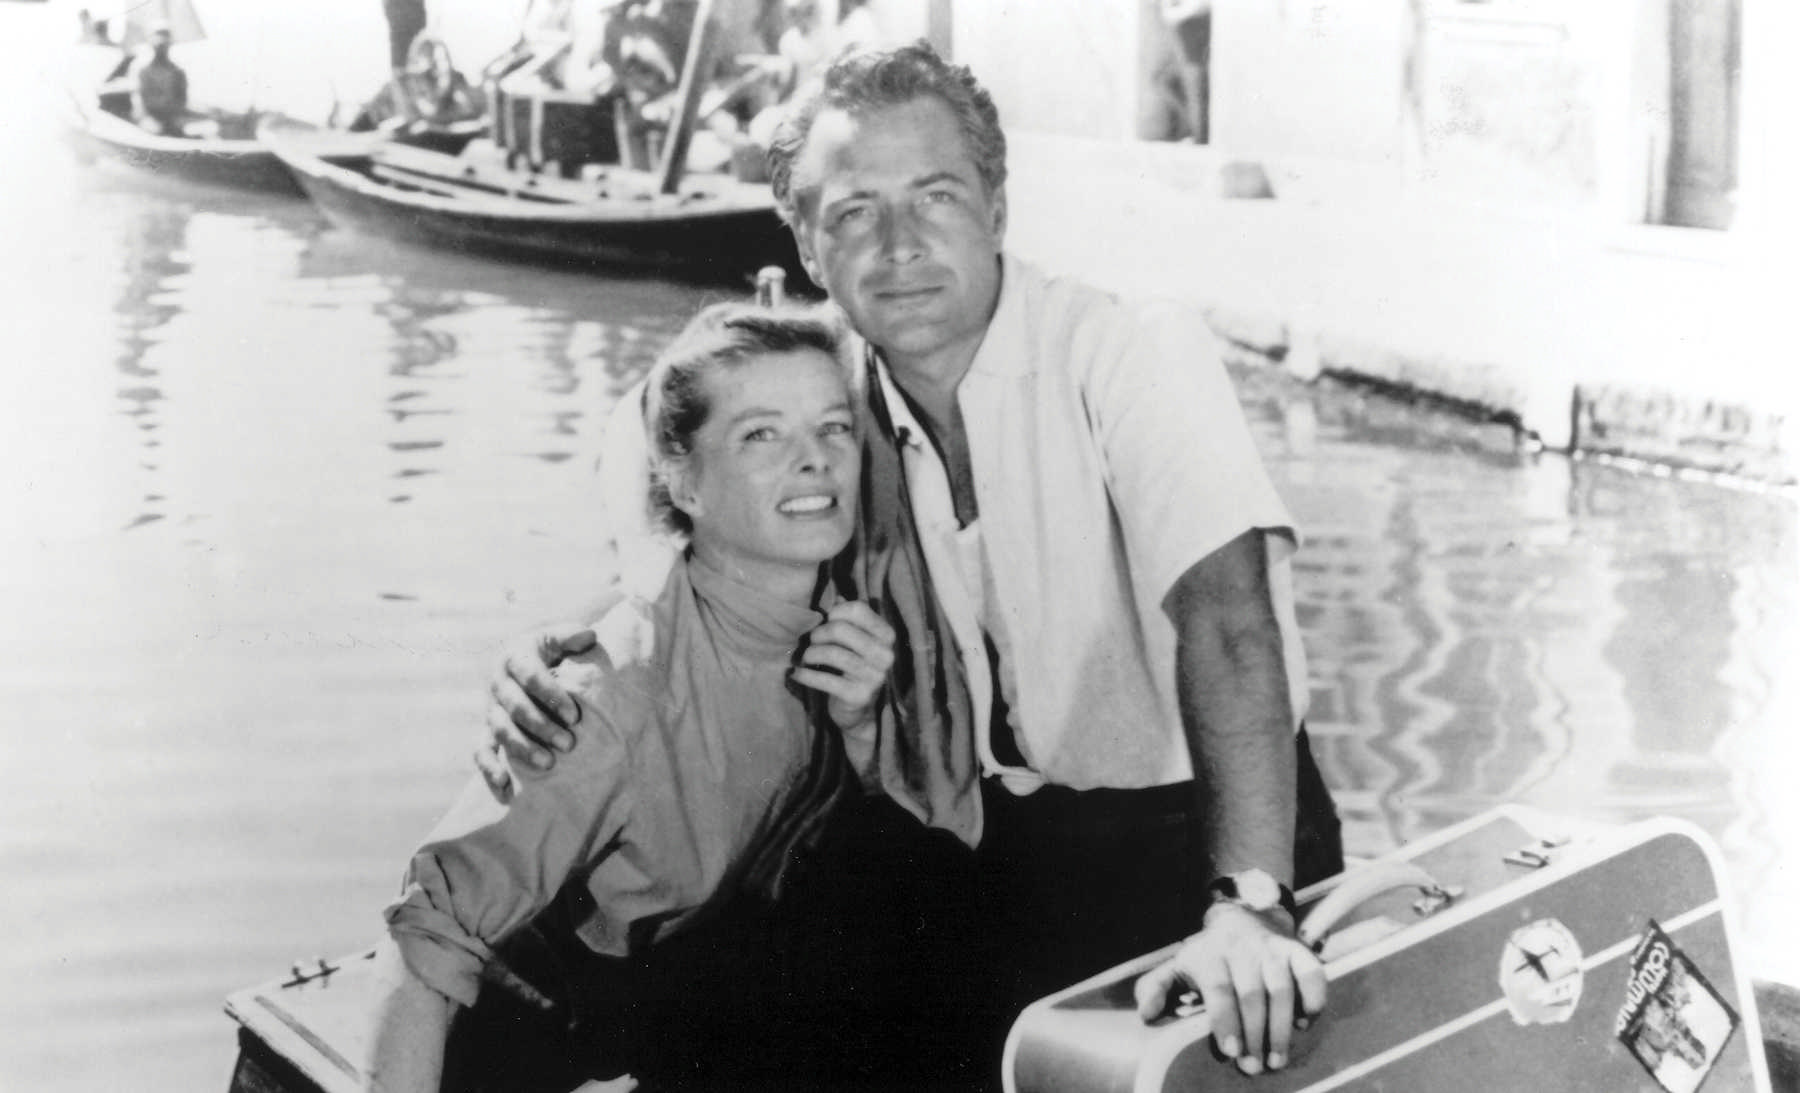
{"x": 847, "y": 658}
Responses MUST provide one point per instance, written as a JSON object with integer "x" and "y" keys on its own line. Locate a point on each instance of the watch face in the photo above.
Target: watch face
{"x": 1257, "y": 889}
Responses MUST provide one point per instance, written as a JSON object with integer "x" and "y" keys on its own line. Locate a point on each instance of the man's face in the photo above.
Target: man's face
{"x": 895, "y": 223}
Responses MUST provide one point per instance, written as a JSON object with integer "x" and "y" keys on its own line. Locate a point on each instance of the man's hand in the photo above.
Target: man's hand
{"x": 1248, "y": 973}
{"x": 847, "y": 658}
{"x": 529, "y": 712}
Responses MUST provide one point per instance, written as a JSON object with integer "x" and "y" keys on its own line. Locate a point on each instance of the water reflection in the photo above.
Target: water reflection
{"x": 149, "y": 261}
{"x": 457, "y": 327}
{"x": 1491, "y": 626}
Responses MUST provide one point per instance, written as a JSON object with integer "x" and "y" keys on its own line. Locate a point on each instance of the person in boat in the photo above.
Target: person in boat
{"x": 589, "y": 66}
{"x": 711, "y": 764}
{"x": 426, "y": 92}
{"x": 162, "y": 88}
{"x": 1103, "y": 691}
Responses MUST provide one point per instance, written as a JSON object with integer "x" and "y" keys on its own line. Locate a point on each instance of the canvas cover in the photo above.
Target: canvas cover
{"x": 129, "y": 22}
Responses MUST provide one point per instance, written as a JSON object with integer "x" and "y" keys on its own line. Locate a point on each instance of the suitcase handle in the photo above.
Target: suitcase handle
{"x": 1359, "y": 887}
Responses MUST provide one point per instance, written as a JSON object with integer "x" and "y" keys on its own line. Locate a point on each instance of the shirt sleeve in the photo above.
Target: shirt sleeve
{"x": 1182, "y": 465}
{"x": 488, "y": 867}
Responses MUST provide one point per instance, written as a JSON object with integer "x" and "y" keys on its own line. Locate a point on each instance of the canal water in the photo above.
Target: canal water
{"x": 274, "y": 494}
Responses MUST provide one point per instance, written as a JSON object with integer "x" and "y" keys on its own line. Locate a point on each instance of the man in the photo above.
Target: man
{"x": 162, "y": 88}
{"x": 1106, "y": 563}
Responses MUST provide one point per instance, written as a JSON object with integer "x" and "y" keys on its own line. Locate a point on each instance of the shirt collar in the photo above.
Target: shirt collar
{"x": 906, "y": 427}
{"x": 1005, "y": 349}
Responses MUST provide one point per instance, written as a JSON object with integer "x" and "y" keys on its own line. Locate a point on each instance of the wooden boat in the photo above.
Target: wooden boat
{"x": 220, "y": 147}
{"x": 582, "y": 211}
{"x": 308, "y": 1032}
{"x": 230, "y": 155}
{"x": 615, "y": 219}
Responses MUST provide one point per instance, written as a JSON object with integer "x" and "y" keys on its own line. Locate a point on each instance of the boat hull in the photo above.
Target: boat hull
{"x": 237, "y": 164}
{"x": 299, "y": 1039}
{"x": 717, "y": 229}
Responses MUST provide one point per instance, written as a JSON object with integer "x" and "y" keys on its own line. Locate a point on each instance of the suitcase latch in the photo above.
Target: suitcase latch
{"x": 1536, "y": 855}
{"x": 1432, "y": 898}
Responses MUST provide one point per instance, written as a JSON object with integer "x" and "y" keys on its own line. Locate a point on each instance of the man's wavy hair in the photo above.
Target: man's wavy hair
{"x": 719, "y": 338}
{"x": 860, "y": 82}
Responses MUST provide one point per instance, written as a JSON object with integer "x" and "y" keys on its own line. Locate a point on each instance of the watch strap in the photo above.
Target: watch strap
{"x": 1224, "y": 889}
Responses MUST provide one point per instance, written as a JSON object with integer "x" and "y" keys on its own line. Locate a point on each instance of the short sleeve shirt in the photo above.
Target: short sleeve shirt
{"x": 1109, "y": 454}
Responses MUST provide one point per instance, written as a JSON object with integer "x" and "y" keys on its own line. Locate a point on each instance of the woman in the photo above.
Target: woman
{"x": 709, "y": 763}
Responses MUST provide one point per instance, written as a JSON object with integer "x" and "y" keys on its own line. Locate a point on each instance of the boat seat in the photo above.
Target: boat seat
{"x": 413, "y": 180}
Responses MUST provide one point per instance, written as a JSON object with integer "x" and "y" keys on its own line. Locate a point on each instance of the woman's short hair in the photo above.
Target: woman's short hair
{"x": 676, "y": 401}
{"x": 857, "y": 83}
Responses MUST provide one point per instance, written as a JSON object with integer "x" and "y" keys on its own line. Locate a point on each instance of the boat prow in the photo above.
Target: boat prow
{"x": 308, "y": 1031}
{"x": 311, "y": 1031}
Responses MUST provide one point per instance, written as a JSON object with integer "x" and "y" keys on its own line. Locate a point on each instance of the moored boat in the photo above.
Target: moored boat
{"x": 597, "y": 179}
{"x": 613, "y": 219}
{"x": 228, "y": 155}
{"x": 213, "y": 146}
{"x": 426, "y": 104}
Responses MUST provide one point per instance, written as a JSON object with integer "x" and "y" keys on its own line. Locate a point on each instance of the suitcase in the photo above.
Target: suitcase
{"x": 1514, "y": 951}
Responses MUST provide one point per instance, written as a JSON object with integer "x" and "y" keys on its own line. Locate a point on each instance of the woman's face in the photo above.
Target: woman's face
{"x": 771, "y": 481}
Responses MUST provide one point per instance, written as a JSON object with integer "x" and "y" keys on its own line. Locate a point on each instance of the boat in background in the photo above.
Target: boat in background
{"x": 427, "y": 104}
{"x": 219, "y": 147}
{"x": 226, "y": 149}
{"x": 564, "y": 178}
{"x": 230, "y": 155}
{"x": 713, "y": 227}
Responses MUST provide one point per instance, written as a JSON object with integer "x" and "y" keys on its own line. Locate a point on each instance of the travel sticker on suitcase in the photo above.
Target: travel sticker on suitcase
{"x": 1674, "y": 1020}
{"x": 1540, "y": 973}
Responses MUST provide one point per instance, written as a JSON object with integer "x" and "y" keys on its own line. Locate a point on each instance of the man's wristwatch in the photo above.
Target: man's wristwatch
{"x": 1253, "y": 890}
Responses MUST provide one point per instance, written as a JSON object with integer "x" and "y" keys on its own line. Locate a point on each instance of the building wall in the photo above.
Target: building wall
{"x": 1063, "y": 67}
{"x": 1466, "y": 193}
{"x": 1510, "y": 102}
{"x": 1310, "y": 78}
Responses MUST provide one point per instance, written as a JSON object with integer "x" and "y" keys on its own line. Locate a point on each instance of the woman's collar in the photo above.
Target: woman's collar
{"x": 751, "y": 614}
